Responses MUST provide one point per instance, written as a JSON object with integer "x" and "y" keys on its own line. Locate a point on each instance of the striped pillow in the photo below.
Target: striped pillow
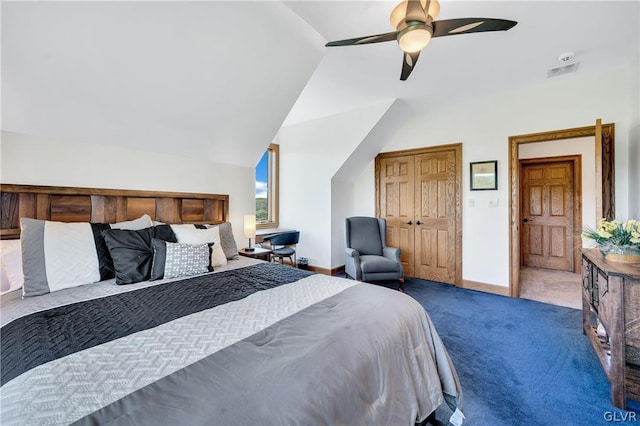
{"x": 59, "y": 255}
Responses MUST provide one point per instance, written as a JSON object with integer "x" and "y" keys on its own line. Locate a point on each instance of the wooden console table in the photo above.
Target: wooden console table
{"x": 611, "y": 297}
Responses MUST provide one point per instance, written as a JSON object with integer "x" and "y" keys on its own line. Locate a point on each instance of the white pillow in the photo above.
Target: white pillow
{"x": 189, "y": 234}
{"x": 11, "y": 276}
{"x": 4, "y": 282}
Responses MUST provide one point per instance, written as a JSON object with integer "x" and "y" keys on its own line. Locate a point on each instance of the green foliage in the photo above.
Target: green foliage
{"x": 262, "y": 210}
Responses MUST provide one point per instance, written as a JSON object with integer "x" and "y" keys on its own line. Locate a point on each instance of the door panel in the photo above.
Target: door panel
{"x": 435, "y": 257}
{"x": 535, "y": 240}
{"x": 397, "y": 206}
{"x": 547, "y": 210}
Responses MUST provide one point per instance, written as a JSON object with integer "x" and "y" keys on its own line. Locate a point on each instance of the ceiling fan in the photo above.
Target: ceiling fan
{"x": 414, "y": 21}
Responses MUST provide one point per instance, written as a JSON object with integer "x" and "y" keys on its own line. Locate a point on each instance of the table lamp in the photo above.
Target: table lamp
{"x": 249, "y": 228}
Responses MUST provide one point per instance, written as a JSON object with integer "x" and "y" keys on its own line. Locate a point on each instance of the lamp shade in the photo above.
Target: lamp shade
{"x": 249, "y": 225}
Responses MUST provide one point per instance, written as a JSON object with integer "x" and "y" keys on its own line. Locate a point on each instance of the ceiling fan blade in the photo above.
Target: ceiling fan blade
{"x": 378, "y": 38}
{"x": 470, "y": 25}
{"x": 408, "y": 62}
{"x": 415, "y": 11}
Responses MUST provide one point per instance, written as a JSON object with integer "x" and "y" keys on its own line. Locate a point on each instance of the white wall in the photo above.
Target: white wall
{"x": 634, "y": 145}
{"x": 310, "y": 155}
{"x": 32, "y": 160}
{"x": 634, "y": 169}
{"x": 341, "y": 208}
{"x": 484, "y": 125}
{"x": 364, "y": 192}
{"x": 578, "y": 146}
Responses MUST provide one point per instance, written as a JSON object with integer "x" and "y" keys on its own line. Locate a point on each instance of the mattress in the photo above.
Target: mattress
{"x": 253, "y": 342}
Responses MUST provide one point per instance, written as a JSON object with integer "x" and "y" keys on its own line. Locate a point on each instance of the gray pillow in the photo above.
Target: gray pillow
{"x": 173, "y": 260}
{"x": 142, "y": 222}
{"x": 227, "y": 240}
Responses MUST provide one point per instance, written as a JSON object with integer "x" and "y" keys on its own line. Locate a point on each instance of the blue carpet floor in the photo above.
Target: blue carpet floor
{"x": 520, "y": 362}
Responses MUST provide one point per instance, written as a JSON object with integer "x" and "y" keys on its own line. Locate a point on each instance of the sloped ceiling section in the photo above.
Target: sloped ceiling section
{"x": 377, "y": 138}
{"x": 210, "y": 80}
{"x": 602, "y": 34}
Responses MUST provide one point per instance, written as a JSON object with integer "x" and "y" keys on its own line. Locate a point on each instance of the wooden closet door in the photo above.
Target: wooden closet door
{"x": 435, "y": 215}
{"x": 396, "y": 203}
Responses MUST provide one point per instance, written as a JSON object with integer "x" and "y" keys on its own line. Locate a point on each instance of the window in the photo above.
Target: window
{"x": 267, "y": 186}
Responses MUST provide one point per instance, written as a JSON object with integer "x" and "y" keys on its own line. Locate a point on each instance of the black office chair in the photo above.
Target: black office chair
{"x": 284, "y": 240}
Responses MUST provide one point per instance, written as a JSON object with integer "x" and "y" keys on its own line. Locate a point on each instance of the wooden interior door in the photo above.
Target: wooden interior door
{"x": 397, "y": 205}
{"x": 547, "y": 215}
{"x": 435, "y": 215}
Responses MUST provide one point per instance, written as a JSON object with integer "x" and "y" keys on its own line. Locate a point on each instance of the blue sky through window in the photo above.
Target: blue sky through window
{"x": 262, "y": 176}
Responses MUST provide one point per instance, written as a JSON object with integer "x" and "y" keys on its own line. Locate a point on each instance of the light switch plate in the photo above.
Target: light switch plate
{"x": 493, "y": 202}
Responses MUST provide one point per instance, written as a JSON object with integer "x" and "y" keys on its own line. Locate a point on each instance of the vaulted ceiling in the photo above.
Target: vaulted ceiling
{"x": 217, "y": 80}
{"x": 602, "y": 34}
{"x": 209, "y": 80}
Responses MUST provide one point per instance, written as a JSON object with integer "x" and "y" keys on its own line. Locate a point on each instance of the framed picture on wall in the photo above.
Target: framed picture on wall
{"x": 484, "y": 175}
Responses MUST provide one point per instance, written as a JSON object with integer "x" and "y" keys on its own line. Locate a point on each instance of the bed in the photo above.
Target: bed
{"x": 249, "y": 343}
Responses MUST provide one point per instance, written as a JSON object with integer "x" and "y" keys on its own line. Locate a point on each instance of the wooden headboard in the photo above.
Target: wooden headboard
{"x": 69, "y": 204}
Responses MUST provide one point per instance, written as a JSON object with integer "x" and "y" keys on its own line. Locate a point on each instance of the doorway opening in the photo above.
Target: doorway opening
{"x": 603, "y": 135}
{"x": 551, "y": 212}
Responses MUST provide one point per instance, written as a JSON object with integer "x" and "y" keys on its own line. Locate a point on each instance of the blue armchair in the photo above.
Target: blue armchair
{"x": 367, "y": 256}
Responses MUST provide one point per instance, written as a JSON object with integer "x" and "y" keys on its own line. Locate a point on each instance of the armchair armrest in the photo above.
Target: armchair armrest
{"x": 352, "y": 252}
{"x": 392, "y": 253}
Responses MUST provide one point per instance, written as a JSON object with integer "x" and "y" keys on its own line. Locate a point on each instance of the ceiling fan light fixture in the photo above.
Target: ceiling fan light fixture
{"x": 434, "y": 9}
{"x": 414, "y": 39}
{"x": 399, "y": 12}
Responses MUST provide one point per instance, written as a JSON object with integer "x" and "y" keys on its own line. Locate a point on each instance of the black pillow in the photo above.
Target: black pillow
{"x": 132, "y": 251}
{"x": 105, "y": 263}
{"x": 159, "y": 258}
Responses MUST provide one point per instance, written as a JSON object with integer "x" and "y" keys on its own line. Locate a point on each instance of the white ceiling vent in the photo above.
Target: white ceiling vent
{"x": 554, "y": 72}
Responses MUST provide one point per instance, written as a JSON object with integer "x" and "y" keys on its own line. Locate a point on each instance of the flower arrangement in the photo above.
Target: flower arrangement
{"x": 619, "y": 241}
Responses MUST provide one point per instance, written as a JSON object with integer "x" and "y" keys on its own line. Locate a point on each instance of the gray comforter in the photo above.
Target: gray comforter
{"x": 320, "y": 350}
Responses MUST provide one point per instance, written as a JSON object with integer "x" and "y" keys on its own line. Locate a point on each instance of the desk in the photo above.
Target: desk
{"x": 261, "y": 233}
